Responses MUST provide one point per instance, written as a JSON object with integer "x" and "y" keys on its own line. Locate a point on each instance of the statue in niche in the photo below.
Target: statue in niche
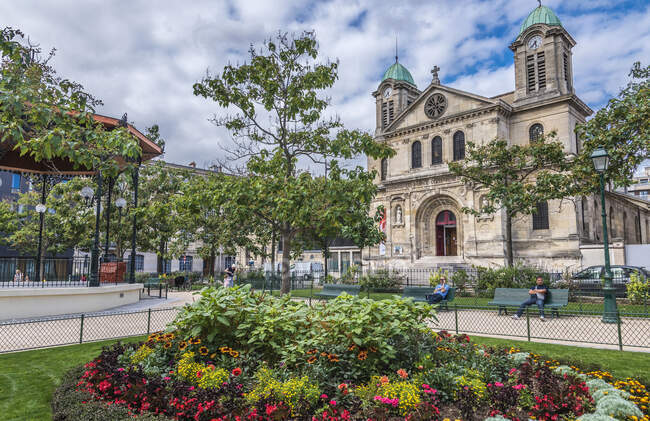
{"x": 398, "y": 214}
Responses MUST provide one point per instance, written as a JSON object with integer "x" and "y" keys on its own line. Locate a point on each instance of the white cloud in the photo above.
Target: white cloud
{"x": 142, "y": 57}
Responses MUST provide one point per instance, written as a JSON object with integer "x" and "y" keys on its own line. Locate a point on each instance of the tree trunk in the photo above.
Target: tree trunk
{"x": 286, "y": 261}
{"x": 212, "y": 265}
{"x": 273, "y": 269}
{"x": 509, "y": 254}
{"x": 161, "y": 253}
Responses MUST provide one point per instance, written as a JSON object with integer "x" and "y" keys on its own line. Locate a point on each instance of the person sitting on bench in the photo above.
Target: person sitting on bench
{"x": 537, "y": 296}
{"x": 439, "y": 293}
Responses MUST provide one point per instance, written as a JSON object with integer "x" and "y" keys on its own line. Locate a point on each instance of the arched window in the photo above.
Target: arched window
{"x": 384, "y": 169}
{"x": 416, "y": 155}
{"x": 459, "y": 146}
{"x": 535, "y": 132}
{"x": 540, "y": 217}
{"x": 436, "y": 150}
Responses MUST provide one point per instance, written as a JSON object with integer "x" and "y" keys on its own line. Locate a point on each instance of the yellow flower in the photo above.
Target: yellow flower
{"x": 182, "y": 345}
{"x": 203, "y": 350}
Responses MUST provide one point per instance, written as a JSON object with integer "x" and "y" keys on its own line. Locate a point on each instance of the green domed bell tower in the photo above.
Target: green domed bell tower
{"x": 396, "y": 91}
{"x": 543, "y": 58}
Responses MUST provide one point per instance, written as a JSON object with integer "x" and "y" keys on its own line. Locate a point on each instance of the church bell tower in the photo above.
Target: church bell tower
{"x": 543, "y": 58}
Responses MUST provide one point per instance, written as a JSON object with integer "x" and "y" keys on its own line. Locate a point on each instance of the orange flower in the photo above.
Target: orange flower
{"x": 362, "y": 355}
{"x": 323, "y": 354}
{"x": 182, "y": 345}
{"x": 352, "y": 347}
{"x": 333, "y": 358}
{"x": 167, "y": 345}
{"x": 402, "y": 373}
{"x": 312, "y": 351}
{"x": 195, "y": 341}
{"x": 343, "y": 386}
{"x": 224, "y": 349}
{"x": 383, "y": 380}
{"x": 373, "y": 349}
{"x": 312, "y": 359}
{"x": 234, "y": 353}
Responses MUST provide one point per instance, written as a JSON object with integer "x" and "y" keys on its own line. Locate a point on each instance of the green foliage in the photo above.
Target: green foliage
{"x": 351, "y": 275}
{"x": 460, "y": 279}
{"x": 381, "y": 279}
{"x": 278, "y": 94}
{"x": 517, "y": 276}
{"x": 295, "y": 392}
{"x": 638, "y": 288}
{"x": 618, "y": 407}
{"x": 622, "y": 127}
{"x": 46, "y": 117}
{"x": 515, "y": 177}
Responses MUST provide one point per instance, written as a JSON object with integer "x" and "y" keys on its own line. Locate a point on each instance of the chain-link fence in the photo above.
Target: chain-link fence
{"x": 67, "y": 330}
{"x": 622, "y": 330}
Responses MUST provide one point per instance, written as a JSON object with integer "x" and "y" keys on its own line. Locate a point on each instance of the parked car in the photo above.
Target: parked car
{"x": 589, "y": 280}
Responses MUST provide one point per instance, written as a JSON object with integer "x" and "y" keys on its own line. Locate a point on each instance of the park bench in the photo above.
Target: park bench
{"x": 151, "y": 283}
{"x": 420, "y": 294}
{"x": 513, "y": 297}
{"x": 334, "y": 290}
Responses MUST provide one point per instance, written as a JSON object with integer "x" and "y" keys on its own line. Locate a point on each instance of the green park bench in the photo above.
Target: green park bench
{"x": 513, "y": 297}
{"x": 334, "y": 290}
{"x": 151, "y": 283}
{"x": 420, "y": 293}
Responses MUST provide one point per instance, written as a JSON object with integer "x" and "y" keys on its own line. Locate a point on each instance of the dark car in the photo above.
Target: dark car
{"x": 590, "y": 279}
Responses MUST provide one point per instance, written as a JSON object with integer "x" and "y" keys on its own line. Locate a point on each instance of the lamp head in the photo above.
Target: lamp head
{"x": 40, "y": 208}
{"x": 87, "y": 192}
{"x": 600, "y": 159}
{"x": 120, "y": 203}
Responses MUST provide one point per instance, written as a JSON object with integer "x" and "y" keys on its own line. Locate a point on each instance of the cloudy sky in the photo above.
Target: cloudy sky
{"x": 142, "y": 57}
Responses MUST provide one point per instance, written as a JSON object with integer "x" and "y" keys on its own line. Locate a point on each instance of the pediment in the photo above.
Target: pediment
{"x": 458, "y": 102}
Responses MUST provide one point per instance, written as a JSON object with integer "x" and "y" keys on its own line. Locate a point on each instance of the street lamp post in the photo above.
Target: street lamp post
{"x": 600, "y": 159}
{"x": 40, "y": 208}
{"x": 87, "y": 193}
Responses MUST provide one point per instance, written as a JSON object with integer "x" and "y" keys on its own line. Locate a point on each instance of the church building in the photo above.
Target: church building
{"x": 428, "y": 128}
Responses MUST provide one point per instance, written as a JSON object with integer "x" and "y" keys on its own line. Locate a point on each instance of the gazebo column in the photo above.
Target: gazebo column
{"x": 94, "y": 257}
{"x": 136, "y": 178}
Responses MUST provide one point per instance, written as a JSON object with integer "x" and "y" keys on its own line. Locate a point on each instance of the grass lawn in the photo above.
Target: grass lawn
{"x": 620, "y": 364}
{"x": 28, "y": 379}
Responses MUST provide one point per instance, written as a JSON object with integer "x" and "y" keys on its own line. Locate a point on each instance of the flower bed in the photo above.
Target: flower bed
{"x": 239, "y": 355}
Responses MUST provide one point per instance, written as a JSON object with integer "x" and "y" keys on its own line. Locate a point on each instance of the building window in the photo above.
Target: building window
{"x": 333, "y": 262}
{"x": 535, "y": 72}
{"x": 139, "y": 263}
{"x": 185, "y": 263}
{"x": 384, "y": 168}
{"x": 567, "y": 77}
{"x": 436, "y": 150}
{"x": 15, "y": 183}
{"x": 535, "y": 132}
{"x": 387, "y": 113}
{"x": 416, "y": 155}
{"x": 459, "y": 146}
{"x": 540, "y": 216}
{"x": 167, "y": 265}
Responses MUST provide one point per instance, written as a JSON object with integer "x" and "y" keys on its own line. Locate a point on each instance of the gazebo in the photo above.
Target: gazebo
{"x": 50, "y": 171}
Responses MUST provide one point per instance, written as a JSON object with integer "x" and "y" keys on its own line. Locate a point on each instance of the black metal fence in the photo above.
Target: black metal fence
{"x": 21, "y": 271}
{"x": 68, "y": 330}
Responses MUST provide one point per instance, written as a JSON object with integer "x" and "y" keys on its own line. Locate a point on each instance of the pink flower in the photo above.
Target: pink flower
{"x": 425, "y": 386}
{"x": 191, "y": 388}
{"x": 519, "y": 386}
{"x": 497, "y": 384}
{"x": 167, "y": 378}
{"x": 333, "y": 402}
{"x": 120, "y": 369}
{"x": 512, "y": 370}
{"x": 323, "y": 396}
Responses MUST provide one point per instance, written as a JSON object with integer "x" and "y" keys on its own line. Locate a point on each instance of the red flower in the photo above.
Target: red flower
{"x": 236, "y": 372}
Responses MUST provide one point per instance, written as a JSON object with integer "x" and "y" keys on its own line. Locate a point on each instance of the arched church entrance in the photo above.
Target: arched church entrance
{"x": 446, "y": 236}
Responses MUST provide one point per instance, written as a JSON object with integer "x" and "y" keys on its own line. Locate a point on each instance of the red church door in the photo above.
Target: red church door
{"x": 446, "y": 242}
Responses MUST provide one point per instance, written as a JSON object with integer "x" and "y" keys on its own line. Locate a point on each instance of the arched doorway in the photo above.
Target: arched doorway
{"x": 446, "y": 243}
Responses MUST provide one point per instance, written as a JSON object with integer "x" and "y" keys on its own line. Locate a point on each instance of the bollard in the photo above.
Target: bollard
{"x": 456, "y": 316}
{"x": 528, "y": 323}
{"x": 149, "y": 321}
{"x": 81, "y": 330}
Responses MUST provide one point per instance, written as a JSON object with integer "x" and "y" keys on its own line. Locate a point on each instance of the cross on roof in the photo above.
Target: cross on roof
{"x": 434, "y": 73}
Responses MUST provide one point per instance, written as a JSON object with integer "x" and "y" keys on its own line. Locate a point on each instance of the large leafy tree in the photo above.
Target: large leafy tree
{"x": 280, "y": 121}
{"x": 160, "y": 225}
{"x": 622, "y": 127}
{"x": 44, "y": 116}
{"x": 68, "y": 222}
{"x": 515, "y": 178}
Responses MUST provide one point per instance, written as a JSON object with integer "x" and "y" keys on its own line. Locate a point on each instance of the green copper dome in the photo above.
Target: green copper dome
{"x": 541, "y": 14}
{"x": 398, "y": 72}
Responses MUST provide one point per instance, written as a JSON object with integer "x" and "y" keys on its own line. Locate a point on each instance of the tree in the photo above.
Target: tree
{"x": 280, "y": 121}
{"x": 68, "y": 223}
{"x": 160, "y": 226}
{"x": 622, "y": 127}
{"x": 516, "y": 178}
{"x": 45, "y": 117}
{"x": 200, "y": 207}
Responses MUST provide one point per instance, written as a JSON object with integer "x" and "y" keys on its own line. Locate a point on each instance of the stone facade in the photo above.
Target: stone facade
{"x": 424, "y": 222}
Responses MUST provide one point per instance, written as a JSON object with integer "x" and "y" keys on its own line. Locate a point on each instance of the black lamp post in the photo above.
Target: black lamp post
{"x": 136, "y": 176}
{"x": 40, "y": 208}
{"x": 87, "y": 193}
{"x": 600, "y": 159}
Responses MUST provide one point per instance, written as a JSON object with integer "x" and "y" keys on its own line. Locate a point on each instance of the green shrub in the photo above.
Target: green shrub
{"x": 436, "y": 276}
{"x": 517, "y": 276}
{"x": 351, "y": 275}
{"x": 460, "y": 279}
{"x": 382, "y": 279}
{"x": 638, "y": 288}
